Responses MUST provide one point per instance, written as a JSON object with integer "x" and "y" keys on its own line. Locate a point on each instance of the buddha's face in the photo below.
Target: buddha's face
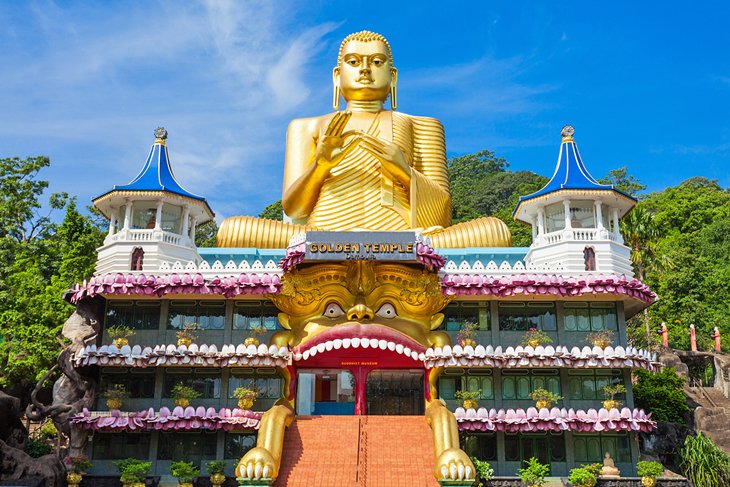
{"x": 364, "y": 72}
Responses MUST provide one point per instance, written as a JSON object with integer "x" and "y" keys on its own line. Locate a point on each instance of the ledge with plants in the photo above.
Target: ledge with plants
{"x": 555, "y": 419}
{"x": 178, "y": 418}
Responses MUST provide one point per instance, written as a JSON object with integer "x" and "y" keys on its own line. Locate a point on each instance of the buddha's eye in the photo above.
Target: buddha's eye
{"x": 333, "y": 310}
{"x": 378, "y": 62}
{"x": 352, "y": 62}
{"x": 387, "y": 310}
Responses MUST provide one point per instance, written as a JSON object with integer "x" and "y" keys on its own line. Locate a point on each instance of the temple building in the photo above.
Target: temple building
{"x": 372, "y": 353}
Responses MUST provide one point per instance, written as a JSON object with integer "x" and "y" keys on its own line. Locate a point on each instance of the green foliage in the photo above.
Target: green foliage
{"x": 245, "y": 393}
{"x": 79, "y": 464}
{"x": 181, "y": 391}
{"x": 37, "y": 447}
{"x": 582, "y": 476}
{"x": 541, "y": 394}
{"x": 533, "y": 334}
{"x": 205, "y": 234}
{"x": 649, "y": 469}
{"x": 534, "y": 473}
{"x": 609, "y": 392}
{"x": 704, "y": 463}
{"x": 132, "y": 470}
{"x": 48, "y": 430}
{"x": 662, "y": 394}
{"x": 623, "y": 181}
{"x": 216, "y": 466}
{"x": 273, "y": 212}
{"x": 116, "y": 391}
{"x": 120, "y": 331}
{"x": 468, "y": 395}
{"x": 484, "y": 471}
{"x": 184, "y": 472}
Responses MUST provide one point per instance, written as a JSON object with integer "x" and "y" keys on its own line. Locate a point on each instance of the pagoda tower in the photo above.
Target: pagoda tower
{"x": 575, "y": 219}
{"x": 152, "y": 219}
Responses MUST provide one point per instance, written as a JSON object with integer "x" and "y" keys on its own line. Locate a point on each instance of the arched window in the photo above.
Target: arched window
{"x": 589, "y": 257}
{"x": 137, "y": 259}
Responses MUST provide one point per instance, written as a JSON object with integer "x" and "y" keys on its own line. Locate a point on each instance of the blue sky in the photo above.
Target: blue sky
{"x": 646, "y": 85}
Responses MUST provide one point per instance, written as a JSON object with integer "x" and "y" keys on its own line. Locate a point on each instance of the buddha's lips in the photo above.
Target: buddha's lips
{"x": 337, "y": 335}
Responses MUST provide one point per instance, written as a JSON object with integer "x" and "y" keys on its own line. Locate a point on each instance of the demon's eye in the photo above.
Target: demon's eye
{"x": 387, "y": 310}
{"x": 333, "y": 310}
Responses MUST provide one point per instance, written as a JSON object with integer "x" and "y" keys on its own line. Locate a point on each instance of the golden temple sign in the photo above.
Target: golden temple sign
{"x": 385, "y": 246}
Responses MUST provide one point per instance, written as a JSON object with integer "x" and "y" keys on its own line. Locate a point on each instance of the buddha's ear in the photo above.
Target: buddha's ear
{"x": 436, "y": 320}
{"x": 336, "y": 88}
{"x": 393, "y": 88}
{"x": 284, "y": 320}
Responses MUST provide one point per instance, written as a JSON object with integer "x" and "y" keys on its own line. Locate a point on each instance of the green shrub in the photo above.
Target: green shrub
{"x": 37, "y": 448}
{"x": 132, "y": 470}
{"x": 649, "y": 469}
{"x": 534, "y": 473}
{"x": 484, "y": 472}
{"x": 704, "y": 463}
{"x": 184, "y": 472}
{"x": 48, "y": 430}
{"x": 215, "y": 466}
{"x": 582, "y": 476}
{"x": 661, "y": 394}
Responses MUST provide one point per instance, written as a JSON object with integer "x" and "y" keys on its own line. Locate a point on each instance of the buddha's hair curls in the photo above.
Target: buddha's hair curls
{"x": 365, "y": 36}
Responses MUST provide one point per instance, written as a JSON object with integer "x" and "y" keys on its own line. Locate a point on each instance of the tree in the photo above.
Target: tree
{"x": 623, "y": 181}
{"x": 273, "y": 212}
{"x": 205, "y": 234}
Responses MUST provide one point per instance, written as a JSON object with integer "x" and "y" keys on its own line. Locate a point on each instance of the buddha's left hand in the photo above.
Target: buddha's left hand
{"x": 389, "y": 154}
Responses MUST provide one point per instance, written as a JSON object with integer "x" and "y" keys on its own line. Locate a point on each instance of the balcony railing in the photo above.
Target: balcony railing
{"x": 146, "y": 235}
{"x": 578, "y": 234}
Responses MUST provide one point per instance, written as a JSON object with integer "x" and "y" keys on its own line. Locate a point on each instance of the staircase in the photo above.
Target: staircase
{"x": 712, "y": 415}
{"x": 358, "y": 451}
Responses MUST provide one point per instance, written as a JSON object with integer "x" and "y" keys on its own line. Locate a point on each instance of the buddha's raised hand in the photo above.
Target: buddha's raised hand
{"x": 332, "y": 146}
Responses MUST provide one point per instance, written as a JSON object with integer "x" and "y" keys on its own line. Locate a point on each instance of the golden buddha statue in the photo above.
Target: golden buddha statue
{"x": 365, "y": 168}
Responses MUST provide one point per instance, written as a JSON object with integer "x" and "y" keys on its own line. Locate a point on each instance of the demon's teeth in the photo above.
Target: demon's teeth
{"x": 391, "y": 346}
{"x": 346, "y": 343}
{"x": 321, "y": 347}
{"x": 399, "y": 348}
{"x": 365, "y": 343}
{"x": 337, "y": 344}
{"x": 356, "y": 342}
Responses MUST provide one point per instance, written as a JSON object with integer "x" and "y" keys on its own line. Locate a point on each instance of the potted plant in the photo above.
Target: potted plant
{"x": 534, "y": 338}
{"x": 216, "y": 469}
{"x": 185, "y": 473}
{"x": 115, "y": 396}
{"x": 120, "y": 334}
{"x": 187, "y": 334}
{"x": 466, "y": 334}
{"x": 582, "y": 477}
{"x": 133, "y": 471}
{"x": 610, "y": 393}
{"x": 600, "y": 339}
{"x": 255, "y": 332}
{"x": 649, "y": 471}
{"x": 183, "y": 394}
{"x": 544, "y": 398}
{"x": 76, "y": 467}
{"x": 534, "y": 474}
{"x": 469, "y": 398}
{"x": 484, "y": 471}
{"x": 246, "y": 396}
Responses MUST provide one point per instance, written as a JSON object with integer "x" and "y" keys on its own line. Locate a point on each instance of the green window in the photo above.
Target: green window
{"x": 237, "y": 444}
{"x": 519, "y": 383}
{"x": 546, "y": 448}
{"x": 118, "y": 445}
{"x": 190, "y": 447}
{"x": 592, "y": 448}
{"x": 590, "y": 316}
{"x": 255, "y": 314}
{"x": 589, "y": 384}
{"x": 448, "y": 386}
{"x": 139, "y": 384}
{"x": 209, "y": 315}
{"x": 456, "y": 314}
{"x": 140, "y": 315}
{"x": 208, "y": 384}
{"x": 480, "y": 445}
{"x": 523, "y": 316}
{"x": 268, "y": 387}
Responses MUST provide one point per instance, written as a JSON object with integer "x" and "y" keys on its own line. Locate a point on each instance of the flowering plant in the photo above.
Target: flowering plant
{"x": 544, "y": 395}
{"x": 601, "y": 338}
{"x": 467, "y": 331}
{"x": 188, "y": 331}
{"x": 533, "y": 337}
{"x": 77, "y": 464}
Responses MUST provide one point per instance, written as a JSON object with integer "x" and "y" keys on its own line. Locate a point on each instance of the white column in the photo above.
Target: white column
{"x": 566, "y": 205}
{"x": 158, "y": 216}
{"x": 185, "y": 222}
{"x": 127, "y": 214}
{"x": 192, "y": 229}
{"x": 599, "y": 214}
{"x": 616, "y": 229}
{"x": 112, "y": 221}
{"x": 540, "y": 220}
{"x": 534, "y": 228}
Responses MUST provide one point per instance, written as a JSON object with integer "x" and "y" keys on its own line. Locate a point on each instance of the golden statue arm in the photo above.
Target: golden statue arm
{"x": 265, "y": 459}
{"x": 451, "y": 462}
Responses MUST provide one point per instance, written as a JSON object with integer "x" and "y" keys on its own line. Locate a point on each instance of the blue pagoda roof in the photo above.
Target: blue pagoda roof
{"x": 570, "y": 172}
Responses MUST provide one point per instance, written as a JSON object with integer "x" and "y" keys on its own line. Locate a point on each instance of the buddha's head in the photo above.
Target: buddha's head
{"x": 365, "y": 70}
{"x": 392, "y": 302}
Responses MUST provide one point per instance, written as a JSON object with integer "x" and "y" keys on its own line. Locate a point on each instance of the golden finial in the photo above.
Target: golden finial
{"x": 160, "y": 135}
{"x": 567, "y": 133}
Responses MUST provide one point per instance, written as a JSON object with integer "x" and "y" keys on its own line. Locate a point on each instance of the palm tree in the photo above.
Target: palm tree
{"x": 641, "y": 234}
